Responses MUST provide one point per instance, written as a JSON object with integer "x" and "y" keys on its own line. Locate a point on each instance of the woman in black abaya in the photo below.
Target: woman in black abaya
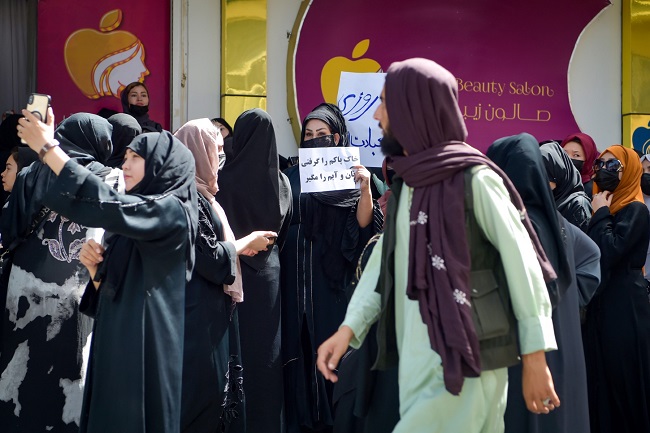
{"x": 569, "y": 194}
{"x": 575, "y": 258}
{"x": 327, "y": 235}
{"x": 211, "y": 321}
{"x": 133, "y": 381}
{"x": 617, "y": 327}
{"x": 45, "y": 339}
{"x": 135, "y": 102}
{"x": 255, "y": 194}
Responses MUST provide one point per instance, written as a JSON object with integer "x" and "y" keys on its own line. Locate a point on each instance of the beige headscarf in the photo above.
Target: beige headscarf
{"x": 204, "y": 140}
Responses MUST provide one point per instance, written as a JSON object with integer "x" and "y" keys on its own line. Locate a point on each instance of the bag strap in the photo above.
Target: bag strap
{"x": 36, "y": 222}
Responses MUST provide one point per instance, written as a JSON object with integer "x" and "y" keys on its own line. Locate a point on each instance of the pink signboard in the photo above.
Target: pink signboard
{"x": 88, "y": 51}
{"x": 510, "y": 57}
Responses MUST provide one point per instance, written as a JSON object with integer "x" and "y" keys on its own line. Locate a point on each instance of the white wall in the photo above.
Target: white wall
{"x": 196, "y": 53}
{"x": 595, "y": 78}
{"x": 594, "y": 72}
{"x": 281, "y": 16}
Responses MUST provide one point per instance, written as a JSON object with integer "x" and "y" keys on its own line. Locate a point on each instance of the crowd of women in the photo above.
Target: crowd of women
{"x": 163, "y": 282}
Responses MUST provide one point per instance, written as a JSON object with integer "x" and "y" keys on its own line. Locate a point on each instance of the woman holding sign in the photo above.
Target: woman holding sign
{"x": 327, "y": 234}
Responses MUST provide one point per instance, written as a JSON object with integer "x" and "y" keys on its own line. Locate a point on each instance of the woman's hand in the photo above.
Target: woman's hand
{"x": 91, "y": 255}
{"x": 601, "y": 199}
{"x": 35, "y": 132}
{"x": 362, "y": 175}
{"x": 255, "y": 242}
{"x": 364, "y": 206}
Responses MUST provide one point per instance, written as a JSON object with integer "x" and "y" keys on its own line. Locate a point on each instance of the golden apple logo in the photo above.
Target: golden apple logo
{"x": 330, "y": 76}
{"x": 104, "y": 62}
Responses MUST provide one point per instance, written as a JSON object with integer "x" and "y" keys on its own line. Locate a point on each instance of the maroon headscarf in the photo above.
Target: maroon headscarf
{"x": 591, "y": 153}
{"x": 422, "y": 104}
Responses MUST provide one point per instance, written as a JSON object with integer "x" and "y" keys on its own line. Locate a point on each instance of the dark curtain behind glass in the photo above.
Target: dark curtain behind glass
{"x": 18, "y": 29}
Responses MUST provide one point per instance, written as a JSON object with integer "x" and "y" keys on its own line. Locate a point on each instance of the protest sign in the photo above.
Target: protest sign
{"x": 358, "y": 99}
{"x": 328, "y": 168}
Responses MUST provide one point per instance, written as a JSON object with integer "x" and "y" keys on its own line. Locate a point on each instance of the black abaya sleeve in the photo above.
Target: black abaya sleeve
{"x": 217, "y": 265}
{"x": 88, "y": 200}
{"x": 89, "y": 300}
{"x": 587, "y": 263}
{"x": 617, "y": 235}
{"x": 286, "y": 195}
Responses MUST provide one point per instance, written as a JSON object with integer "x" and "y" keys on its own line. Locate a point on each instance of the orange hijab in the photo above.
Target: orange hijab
{"x": 629, "y": 190}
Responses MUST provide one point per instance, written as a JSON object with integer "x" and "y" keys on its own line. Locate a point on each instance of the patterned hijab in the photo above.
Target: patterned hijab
{"x": 629, "y": 189}
{"x": 422, "y": 102}
{"x": 204, "y": 139}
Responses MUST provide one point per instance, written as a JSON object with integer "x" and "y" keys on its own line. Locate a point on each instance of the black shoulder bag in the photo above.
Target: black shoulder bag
{"x": 7, "y": 254}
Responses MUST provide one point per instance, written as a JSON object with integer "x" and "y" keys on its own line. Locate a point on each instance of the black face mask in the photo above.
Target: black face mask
{"x": 324, "y": 141}
{"x": 607, "y": 180}
{"x": 645, "y": 183}
{"x": 137, "y": 110}
{"x": 578, "y": 164}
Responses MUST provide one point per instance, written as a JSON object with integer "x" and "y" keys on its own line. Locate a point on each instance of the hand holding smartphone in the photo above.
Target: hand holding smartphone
{"x": 38, "y": 104}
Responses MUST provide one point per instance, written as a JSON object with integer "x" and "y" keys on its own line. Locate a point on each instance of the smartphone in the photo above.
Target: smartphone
{"x": 38, "y": 105}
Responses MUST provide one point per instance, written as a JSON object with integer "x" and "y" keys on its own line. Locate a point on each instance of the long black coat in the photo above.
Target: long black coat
{"x": 133, "y": 383}
{"x": 211, "y": 331}
{"x": 617, "y": 330}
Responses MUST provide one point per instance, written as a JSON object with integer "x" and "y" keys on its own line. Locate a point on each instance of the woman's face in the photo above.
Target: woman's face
{"x": 606, "y": 157}
{"x": 317, "y": 128}
{"x": 9, "y": 175}
{"x": 222, "y": 129}
{"x": 133, "y": 169}
{"x": 575, "y": 150}
{"x": 139, "y": 96}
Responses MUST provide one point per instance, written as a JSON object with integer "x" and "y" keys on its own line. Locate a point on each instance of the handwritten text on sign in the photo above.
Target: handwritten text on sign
{"x": 328, "y": 168}
{"x": 358, "y": 98}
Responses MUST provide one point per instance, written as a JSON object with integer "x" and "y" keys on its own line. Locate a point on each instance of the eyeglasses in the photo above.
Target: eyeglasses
{"x": 613, "y": 165}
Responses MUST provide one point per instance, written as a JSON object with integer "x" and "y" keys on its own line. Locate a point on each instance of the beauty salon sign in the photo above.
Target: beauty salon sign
{"x": 511, "y": 58}
{"x": 88, "y": 51}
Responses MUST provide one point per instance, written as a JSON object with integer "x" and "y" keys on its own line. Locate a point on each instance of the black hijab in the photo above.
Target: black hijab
{"x": 227, "y": 141}
{"x": 8, "y": 132}
{"x": 24, "y": 157}
{"x": 143, "y": 119}
{"x": 125, "y": 129}
{"x": 252, "y": 191}
{"x": 86, "y": 138}
{"x": 169, "y": 169}
{"x": 332, "y": 116}
{"x": 8, "y": 140}
{"x": 519, "y": 156}
{"x": 223, "y": 122}
{"x": 568, "y": 181}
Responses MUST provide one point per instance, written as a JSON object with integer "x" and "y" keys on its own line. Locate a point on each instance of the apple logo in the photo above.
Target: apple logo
{"x": 104, "y": 62}
{"x": 641, "y": 139}
{"x": 331, "y": 74}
